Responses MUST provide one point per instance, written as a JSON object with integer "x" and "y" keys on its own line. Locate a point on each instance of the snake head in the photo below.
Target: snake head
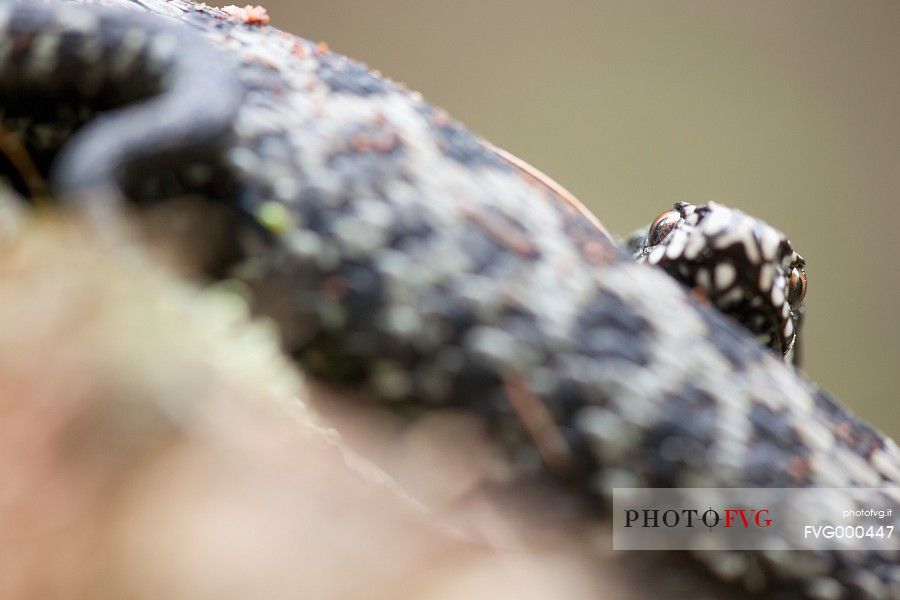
{"x": 745, "y": 267}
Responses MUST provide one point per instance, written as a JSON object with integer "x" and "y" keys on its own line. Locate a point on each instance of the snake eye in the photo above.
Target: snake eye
{"x": 797, "y": 286}
{"x": 662, "y": 226}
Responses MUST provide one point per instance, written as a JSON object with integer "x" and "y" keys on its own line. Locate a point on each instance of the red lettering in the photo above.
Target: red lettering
{"x": 766, "y": 522}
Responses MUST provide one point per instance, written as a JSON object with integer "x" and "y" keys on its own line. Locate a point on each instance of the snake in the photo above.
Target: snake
{"x": 399, "y": 253}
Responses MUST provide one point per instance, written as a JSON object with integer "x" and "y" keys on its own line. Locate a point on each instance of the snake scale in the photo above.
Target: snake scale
{"x": 397, "y": 251}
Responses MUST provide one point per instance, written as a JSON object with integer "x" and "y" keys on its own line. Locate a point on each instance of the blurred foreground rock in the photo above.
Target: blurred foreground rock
{"x": 154, "y": 443}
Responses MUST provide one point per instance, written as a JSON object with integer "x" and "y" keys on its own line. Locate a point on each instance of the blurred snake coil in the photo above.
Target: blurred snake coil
{"x": 399, "y": 253}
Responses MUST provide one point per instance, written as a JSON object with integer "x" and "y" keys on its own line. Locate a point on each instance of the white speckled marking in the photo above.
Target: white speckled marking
{"x": 725, "y": 275}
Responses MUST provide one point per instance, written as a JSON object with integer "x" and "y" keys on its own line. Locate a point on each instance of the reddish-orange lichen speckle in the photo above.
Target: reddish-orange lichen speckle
{"x": 383, "y": 143}
{"x": 298, "y": 50}
{"x": 249, "y": 14}
{"x": 322, "y": 48}
{"x": 799, "y": 468}
{"x": 259, "y": 59}
{"x": 844, "y": 431}
{"x": 700, "y": 295}
{"x": 441, "y": 118}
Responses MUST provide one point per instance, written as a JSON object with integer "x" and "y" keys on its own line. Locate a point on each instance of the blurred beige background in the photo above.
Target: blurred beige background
{"x": 790, "y": 111}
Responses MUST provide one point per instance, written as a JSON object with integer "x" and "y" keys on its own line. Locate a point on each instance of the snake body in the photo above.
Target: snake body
{"x": 399, "y": 252}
